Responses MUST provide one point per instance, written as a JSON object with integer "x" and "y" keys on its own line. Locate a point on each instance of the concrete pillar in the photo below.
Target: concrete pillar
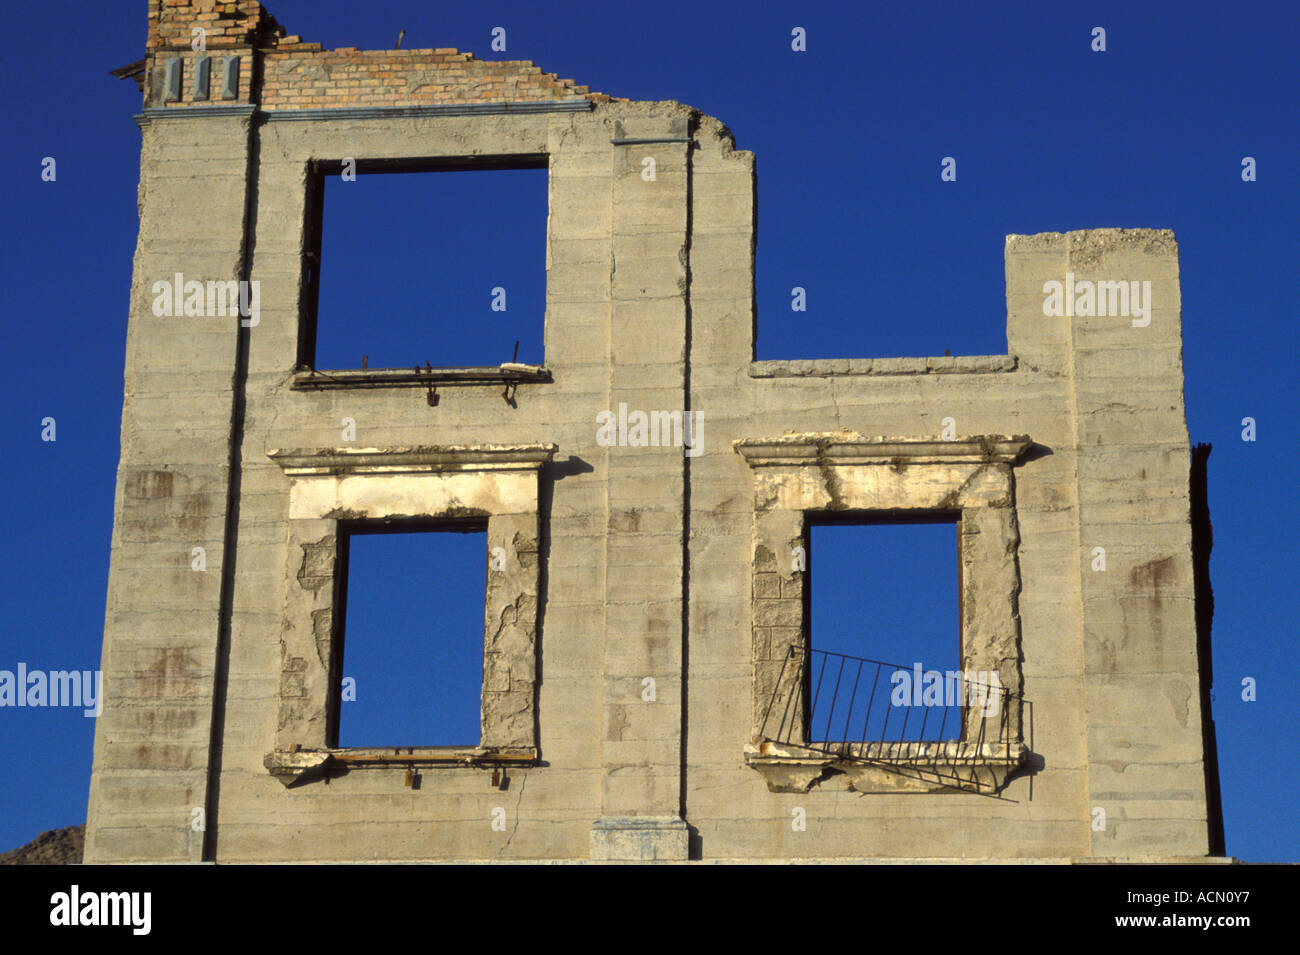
{"x": 641, "y": 739}
{"x": 1145, "y": 755}
{"x": 163, "y": 612}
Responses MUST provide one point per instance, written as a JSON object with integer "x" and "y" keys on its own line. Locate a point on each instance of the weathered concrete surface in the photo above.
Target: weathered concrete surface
{"x": 624, "y": 563}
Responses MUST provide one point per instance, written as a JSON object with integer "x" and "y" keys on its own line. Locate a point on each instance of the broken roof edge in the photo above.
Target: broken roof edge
{"x": 254, "y": 24}
{"x": 1075, "y": 241}
{"x": 250, "y": 24}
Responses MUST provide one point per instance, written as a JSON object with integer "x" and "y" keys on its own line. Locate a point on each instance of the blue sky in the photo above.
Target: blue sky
{"x": 1048, "y": 136}
{"x": 405, "y": 592}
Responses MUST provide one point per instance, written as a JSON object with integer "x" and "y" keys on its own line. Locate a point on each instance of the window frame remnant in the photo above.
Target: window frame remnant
{"x": 799, "y": 477}
{"x": 498, "y": 484}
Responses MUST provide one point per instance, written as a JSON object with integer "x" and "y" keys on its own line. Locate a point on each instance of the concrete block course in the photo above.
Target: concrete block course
{"x": 652, "y": 601}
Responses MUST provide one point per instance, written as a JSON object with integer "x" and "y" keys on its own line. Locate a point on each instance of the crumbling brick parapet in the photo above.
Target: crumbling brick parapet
{"x": 281, "y": 72}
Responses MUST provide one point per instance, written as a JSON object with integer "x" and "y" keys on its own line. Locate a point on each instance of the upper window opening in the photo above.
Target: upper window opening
{"x": 411, "y": 669}
{"x": 429, "y": 265}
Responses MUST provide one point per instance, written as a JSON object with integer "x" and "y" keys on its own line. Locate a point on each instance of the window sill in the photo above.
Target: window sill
{"x": 904, "y": 767}
{"x": 304, "y": 765}
{"x": 507, "y": 374}
{"x": 844, "y": 367}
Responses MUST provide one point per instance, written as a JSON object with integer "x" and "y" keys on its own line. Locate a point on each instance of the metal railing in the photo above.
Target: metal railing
{"x": 866, "y": 711}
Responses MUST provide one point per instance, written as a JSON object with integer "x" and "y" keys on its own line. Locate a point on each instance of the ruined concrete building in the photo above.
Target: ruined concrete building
{"x": 679, "y": 562}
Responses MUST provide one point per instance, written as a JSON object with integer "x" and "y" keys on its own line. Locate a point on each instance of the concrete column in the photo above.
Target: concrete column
{"x": 152, "y": 741}
{"x": 642, "y": 732}
{"x": 1144, "y": 742}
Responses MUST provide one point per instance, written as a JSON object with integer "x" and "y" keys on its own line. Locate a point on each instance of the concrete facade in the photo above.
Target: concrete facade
{"x": 673, "y": 560}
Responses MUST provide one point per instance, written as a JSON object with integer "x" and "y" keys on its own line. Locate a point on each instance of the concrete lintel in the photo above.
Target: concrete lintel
{"x": 640, "y": 839}
{"x": 429, "y": 458}
{"x": 819, "y": 448}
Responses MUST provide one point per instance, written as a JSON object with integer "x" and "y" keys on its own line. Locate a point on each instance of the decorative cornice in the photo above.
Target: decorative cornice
{"x": 152, "y": 113}
{"x": 302, "y": 462}
{"x": 822, "y": 448}
{"x": 433, "y": 111}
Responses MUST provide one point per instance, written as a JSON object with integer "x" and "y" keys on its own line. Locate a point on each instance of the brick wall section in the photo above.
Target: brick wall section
{"x": 298, "y": 75}
{"x": 347, "y": 77}
{"x": 227, "y": 24}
